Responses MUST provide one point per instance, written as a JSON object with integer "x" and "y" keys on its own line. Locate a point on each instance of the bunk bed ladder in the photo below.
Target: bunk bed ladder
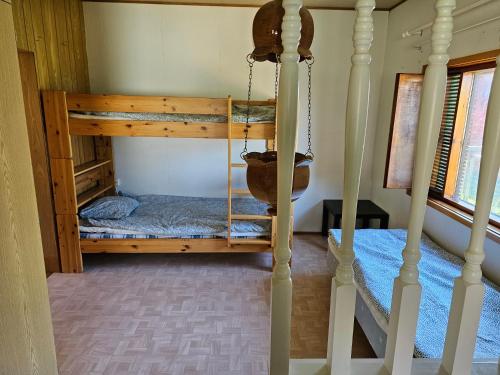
{"x": 245, "y": 192}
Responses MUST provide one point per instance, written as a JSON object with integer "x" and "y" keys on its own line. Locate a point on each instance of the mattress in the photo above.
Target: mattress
{"x": 377, "y": 263}
{"x": 258, "y": 114}
{"x": 102, "y": 235}
{"x": 170, "y": 216}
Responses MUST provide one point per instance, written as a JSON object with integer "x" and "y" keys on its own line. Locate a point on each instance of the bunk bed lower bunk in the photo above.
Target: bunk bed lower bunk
{"x": 104, "y": 116}
{"x": 377, "y": 263}
{"x": 175, "y": 220}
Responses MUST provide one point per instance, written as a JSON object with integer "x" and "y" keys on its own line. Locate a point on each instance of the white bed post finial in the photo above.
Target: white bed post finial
{"x": 407, "y": 289}
{"x": 281, "y": 291}
{"x": 343, "y": 289}
{"x": 468, "y": 292}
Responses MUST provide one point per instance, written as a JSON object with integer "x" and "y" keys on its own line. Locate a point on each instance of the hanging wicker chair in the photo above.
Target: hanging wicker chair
{"x": 262, "y": 176}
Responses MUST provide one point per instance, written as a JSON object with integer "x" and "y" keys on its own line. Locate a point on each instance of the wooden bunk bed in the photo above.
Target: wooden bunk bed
{"x": 77, "y": 186}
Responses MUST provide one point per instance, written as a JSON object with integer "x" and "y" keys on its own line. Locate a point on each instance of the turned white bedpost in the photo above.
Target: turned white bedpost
{"x": 343, "y": 294}
{"x": 407, "y": 290}
{"x": 281, "y": 290}
{"x": 468, "y": 291}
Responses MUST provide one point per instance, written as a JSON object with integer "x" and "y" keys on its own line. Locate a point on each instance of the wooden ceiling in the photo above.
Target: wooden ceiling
{"x": 311, "y": 4}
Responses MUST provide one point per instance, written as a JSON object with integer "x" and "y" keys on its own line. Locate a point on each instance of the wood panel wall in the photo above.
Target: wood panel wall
{"x": 26, "y": 336}
{"x": 54, "y": 31}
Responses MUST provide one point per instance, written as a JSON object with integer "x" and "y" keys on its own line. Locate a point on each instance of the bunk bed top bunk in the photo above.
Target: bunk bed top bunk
{"x": 164, "y": 116}
{"x": 256, "y": 114}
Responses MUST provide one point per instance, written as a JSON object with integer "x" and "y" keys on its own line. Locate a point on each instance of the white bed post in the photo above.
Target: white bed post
{"x": 343, "y": 289}
{"x": 281, "y": 291}
{"x": 407, "y": 289}
{"x": 468, "y": 291}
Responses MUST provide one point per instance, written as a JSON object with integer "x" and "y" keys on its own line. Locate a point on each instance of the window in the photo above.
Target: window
{"x": 456, "y": 166}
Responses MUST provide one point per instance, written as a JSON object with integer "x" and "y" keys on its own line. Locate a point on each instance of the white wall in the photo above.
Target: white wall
{"x": 401, "y": 56}
{"x": 200, "y": 51}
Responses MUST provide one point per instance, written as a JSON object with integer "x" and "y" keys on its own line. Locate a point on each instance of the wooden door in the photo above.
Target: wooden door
{"x": 39, "y": 160}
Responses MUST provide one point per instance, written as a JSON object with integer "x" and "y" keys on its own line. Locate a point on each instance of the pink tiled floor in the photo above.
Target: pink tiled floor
{"x": 184, "y": 313}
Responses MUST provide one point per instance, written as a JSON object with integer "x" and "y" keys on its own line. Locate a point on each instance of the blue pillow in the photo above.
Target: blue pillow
{"x": 114, "y": 207}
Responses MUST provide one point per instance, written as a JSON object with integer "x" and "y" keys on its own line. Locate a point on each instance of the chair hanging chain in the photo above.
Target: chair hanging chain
{"x": 309, "y": 73}
{"x": 250, "y": 61}
{"x": 276, "y": 85}
{"x": 276, "y": 78}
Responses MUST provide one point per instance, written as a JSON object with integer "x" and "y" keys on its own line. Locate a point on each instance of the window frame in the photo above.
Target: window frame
{"x": 441, "y": 196}
{"x": 452, "y": 209}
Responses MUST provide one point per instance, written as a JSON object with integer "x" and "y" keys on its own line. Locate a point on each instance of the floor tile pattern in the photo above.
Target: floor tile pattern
{"x": 184, "y": 313}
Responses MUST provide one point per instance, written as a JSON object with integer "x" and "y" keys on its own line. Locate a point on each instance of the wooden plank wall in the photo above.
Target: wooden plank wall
{"x": 54, "y": 31}
{"x": 26, "y": 334}
{"x": 39, "y": 159}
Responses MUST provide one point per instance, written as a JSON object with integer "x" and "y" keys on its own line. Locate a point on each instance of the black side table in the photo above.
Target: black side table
{"x": 367, "y": 210}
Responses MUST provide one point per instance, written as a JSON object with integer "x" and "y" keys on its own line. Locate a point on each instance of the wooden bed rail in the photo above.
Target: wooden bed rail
{"x": 158, "y": 104}
{"x": 170, "y": 245}
{"x": 137, "y": 128}
{"x": 143, "y": 104}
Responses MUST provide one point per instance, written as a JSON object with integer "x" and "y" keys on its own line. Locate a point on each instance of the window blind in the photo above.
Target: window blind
{"x": 439, "y": 169}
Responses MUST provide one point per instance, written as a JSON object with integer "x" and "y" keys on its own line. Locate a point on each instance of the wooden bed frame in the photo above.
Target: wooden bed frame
{"x": 77, "y": 185}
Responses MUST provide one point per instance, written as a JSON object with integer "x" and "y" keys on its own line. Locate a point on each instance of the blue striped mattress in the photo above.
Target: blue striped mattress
{"x": 377, "y": 263}
{"x": 170, "y": 216}
{"x": 87, "y": 235}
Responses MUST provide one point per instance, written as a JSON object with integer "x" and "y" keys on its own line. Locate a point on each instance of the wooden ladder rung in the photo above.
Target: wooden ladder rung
{"x": 241, "y": 192}
{"x": 239, "y": 165}
{"x": 249, "y": 241}
{"x": 250, "y": 217}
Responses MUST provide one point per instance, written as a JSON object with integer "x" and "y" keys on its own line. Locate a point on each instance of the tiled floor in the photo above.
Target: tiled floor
{"x": 186, "y": 313}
